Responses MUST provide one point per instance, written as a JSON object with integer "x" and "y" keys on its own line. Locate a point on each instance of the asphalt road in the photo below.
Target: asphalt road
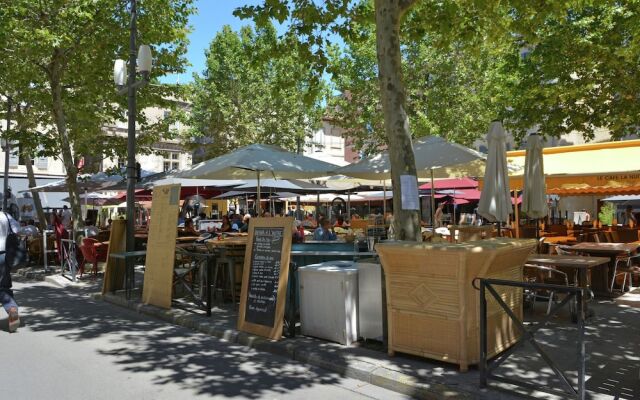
{"x": 72, "y": 347}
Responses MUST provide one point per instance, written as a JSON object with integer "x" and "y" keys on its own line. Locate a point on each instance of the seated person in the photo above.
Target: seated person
{"x": 245, "y": 223}
{"x": 309, "y": 222}
{"x": 236, "y": 223}
{"x": 226, "y": 224}
{"x": 189, "y": 229}
{"x": 91, "y": 229}
{"x": 325, "y": 231}
{"x": 340, "y": 222}
{"x": 28, "y": 229}
{"x": 298, "y": 232}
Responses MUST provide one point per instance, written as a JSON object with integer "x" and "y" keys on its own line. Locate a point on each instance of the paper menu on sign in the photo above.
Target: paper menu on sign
{"x": 409, "y": 192}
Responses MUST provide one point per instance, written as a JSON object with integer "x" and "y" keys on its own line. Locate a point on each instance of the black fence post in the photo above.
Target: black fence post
{"x": 483, "y": 336}
{"x": 581, "y": 348}
{"x": 528, "y": 335}
{"x": 210, "y": 262}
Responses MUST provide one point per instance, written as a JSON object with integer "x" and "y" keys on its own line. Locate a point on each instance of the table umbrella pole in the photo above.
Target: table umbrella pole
{"x": 348, "y": 206}
{"x": 384, "y": 198}
{"x": 317, "y": 207}
{"x": 517, "y": 213}
{"x": 433, "y": 204}
{"x": 258, "y": 194}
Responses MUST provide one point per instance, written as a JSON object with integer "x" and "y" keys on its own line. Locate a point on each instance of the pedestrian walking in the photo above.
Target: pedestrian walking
{"x": 7, "y": 225}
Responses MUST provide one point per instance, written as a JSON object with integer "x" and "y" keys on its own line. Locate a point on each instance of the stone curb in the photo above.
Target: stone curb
{"x": 353, "y": 368}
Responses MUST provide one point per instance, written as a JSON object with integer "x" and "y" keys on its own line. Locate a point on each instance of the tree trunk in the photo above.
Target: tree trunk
{"x": 389, "y": 14}
{"x": 36, "y": 196}
{"x": 65, "y": 145}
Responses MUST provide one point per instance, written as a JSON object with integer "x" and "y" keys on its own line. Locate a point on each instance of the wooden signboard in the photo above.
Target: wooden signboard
{"x": 265, "y": 277}
{"x": 114, "y": 270}
{"x": 161, "y": 246}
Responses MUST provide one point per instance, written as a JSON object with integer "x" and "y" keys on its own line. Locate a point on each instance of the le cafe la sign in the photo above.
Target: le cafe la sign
{"x": 631, "y": 178}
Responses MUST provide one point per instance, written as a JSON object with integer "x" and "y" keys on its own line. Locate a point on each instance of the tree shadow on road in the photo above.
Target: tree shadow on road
{"x": 178, "y": 355}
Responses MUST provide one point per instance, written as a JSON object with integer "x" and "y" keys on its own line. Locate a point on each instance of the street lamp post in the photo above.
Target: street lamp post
{"x": 141, "y": 59}
{"x": 7, "y": 149}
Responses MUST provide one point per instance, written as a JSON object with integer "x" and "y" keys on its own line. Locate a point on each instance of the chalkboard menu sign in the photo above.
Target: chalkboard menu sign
{"x": 265, "y": 276}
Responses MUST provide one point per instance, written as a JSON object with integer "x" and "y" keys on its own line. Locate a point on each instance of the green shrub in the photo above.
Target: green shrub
{"x": 607, "y": 213}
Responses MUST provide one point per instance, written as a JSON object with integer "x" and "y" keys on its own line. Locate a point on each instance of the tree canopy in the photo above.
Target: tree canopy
{"x": 246, "y": 96}
{"x": 580, "y": 72}
{"x": 58, "y": 61}
{"x": 453, "y": 90}
{"x": 465, "y": 57}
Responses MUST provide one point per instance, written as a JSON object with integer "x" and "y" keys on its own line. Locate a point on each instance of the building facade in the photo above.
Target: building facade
{"x": 165, "y": 155}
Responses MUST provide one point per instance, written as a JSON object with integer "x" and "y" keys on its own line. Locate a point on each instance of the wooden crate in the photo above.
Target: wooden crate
{"x": 432, "y": 307}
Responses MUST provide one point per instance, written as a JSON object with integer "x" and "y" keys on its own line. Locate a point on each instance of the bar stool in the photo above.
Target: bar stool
{"x": 226, "y": 258}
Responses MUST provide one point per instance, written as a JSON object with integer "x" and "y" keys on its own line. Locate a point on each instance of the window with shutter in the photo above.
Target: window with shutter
{"x": 13, "y": 157}
{"x": 42, "y": 162}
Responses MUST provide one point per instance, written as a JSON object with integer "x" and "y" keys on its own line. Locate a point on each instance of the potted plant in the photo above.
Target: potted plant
{"x": 607, "y": 213}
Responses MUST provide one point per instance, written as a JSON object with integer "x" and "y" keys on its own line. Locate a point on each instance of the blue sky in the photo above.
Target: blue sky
{"x": 211, "y": 17}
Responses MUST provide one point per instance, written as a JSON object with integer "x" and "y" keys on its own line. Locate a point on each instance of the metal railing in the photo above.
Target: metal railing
{"x": 487, "y": 367}
{"x": 69, "y": 259}
{"x": 203, "y": 263}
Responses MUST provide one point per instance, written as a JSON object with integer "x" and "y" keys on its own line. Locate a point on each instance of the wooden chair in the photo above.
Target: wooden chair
{"x": 607, "y": 237}
{"x": 615, "y": 237}
{"x": 34, "y": 247}
{"x": 528, "y": 232}
{"x": 561, "y": 230}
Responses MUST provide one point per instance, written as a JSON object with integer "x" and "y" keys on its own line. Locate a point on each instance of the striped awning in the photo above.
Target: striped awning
{"x": 610, "y": 168}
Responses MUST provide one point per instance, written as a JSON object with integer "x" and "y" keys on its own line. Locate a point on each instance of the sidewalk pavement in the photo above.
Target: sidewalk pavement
{"x": 613, "y": 363}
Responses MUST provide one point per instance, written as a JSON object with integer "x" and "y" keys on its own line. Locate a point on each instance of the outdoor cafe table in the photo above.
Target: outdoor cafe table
{"x": 333, "y": 253}
{"x": 579, "y": 263}
{"x": 560, "y": 240}
{"x": 186, "y": 239}
{"x": 600, "y": 282}
{"x": 129, "y": 276}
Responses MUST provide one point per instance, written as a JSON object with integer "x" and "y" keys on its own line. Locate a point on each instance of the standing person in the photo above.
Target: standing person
{"x": 438, "y": 215}
{"x": 7, "y": 225}
{"x": 629, "y": 217}
{"x": 66, "y": 217}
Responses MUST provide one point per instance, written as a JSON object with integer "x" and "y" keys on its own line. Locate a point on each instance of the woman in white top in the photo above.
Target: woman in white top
{"x": 7, "y": 225}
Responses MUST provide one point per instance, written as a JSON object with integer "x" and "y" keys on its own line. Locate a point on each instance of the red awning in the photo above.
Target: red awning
{"x": 442, "y": 184}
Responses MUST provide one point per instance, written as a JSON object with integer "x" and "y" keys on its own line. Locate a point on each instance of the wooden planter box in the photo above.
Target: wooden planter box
{"x": 432, "y": 307}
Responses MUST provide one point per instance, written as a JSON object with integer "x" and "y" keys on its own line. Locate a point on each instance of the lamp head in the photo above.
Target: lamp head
{"x": 144, "y": 59}
{"x": 120, "y": 73}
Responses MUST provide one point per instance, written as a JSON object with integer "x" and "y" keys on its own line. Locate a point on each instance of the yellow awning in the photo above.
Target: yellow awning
{"x": 588, "y": 169}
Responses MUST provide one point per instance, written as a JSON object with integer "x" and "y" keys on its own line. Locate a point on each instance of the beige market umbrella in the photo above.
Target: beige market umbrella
{"x": 435, "y": 158}
{"x": 534, "y": 199}
{"x": 495, "y": 200}
{"x": 251, "y": 161}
